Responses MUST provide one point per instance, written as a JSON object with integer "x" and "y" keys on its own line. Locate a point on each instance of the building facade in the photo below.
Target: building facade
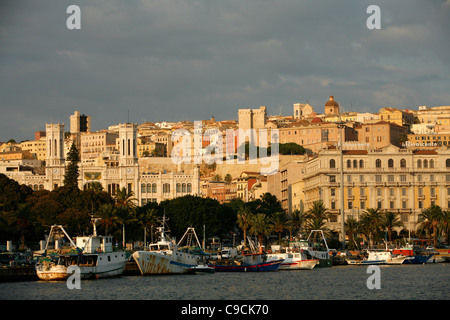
{"x": 405, "y": 181}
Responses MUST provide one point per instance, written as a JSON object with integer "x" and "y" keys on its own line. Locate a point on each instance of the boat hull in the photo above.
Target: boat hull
{"x": 266, "y": 266}
{"x": 57, "y": 273}
{"x": 152, "y": 263}
{"x": 417, "y": 259}
{"x": 299, "y": 265}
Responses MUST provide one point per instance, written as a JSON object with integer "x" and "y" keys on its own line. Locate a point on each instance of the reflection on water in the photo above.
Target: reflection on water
{"x": 406, "y": 282}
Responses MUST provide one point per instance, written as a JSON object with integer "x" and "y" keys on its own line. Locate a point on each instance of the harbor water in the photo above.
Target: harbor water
{"x": 397, "y": 282}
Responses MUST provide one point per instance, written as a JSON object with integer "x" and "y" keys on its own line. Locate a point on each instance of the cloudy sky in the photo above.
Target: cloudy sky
{"x": 172, "y": 60}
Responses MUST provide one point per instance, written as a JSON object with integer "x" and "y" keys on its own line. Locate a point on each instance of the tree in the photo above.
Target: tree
{"x": 429, "y": 220}
{"x": 260, "y": 226}
{"x": 317, "y": 216}
{"x": 373, "y": 221}
{"x": 351, "y": 229}
{"x": 298, "y": 219}
{"x": 147, "y": 218}
{"x": 72, "y": 172}
{"x": 390, "y": 221}
{"x": 243, "y": 220}
{"x": 279, "y": 223}
{"x": 107, "y": 213}
{"x": 228, "y": 178}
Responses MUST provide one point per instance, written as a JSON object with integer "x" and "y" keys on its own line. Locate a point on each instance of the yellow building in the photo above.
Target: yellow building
{"x": 399, "y": 117}
{"x": 147, "y": 148}
{"x": 404, "y": 181}
{"x": 37, "y": 148}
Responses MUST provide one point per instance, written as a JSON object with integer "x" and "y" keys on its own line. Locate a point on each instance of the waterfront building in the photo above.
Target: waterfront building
{"x": 405, "y": 181}
{"x": 380, "y": 134}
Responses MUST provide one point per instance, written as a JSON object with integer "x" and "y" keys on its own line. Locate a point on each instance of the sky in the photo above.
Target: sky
{"x": 173, "y": 60}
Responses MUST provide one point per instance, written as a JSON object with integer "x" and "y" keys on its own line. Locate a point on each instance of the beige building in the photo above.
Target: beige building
{"x": 252, "y": 119}
{"x": 37, "y": 148}
{"x": 380, "y": 134}
{"x": 93, "y": 144}
{"x": 401, "y": 180}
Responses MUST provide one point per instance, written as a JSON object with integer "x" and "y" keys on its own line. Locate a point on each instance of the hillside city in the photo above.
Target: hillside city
{"x": 394, "y": 160}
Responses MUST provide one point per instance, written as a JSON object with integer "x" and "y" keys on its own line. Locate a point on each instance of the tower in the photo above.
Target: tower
{"x": 55, "y": 163}
{"x": 331, "y": 107}
{"x": 128, "y": 160}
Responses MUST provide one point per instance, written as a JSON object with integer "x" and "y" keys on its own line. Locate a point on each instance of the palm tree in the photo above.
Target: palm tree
{"x": 429, "y": 220}
{"x": 444, "y": 224}
{"x": 352, "y": 227}
{"x": 279, "y": 223}
{"x": 125, "y": 203}
{"x": 365, "y": 226}
{"x": 107, "y": 213}
{"x": 260, "y": 226}
{"x": 298, "y": 218}
{"x": 317, "y": 216}
{"x": 243, "y": 219}
{"x": 390, "y": 221}
{"x": 147, "y": 218}
{"x": 375, "y": 221}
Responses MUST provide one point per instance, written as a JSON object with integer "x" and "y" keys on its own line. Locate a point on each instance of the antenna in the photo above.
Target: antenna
{"x": 128, "y": 116}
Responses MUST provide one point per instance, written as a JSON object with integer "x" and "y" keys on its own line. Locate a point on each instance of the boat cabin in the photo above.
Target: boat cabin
{"x": 95, "y": 244}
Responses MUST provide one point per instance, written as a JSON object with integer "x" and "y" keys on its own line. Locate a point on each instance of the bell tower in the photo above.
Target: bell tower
{"x": 55, "y": 162}
{"x": 128, "y": 159}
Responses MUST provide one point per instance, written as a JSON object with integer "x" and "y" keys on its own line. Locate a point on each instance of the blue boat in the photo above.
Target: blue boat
{"x": 415, "y": 254}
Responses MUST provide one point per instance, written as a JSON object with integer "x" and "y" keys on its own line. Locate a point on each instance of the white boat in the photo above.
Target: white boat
{"x": 375, "y": 257}
{"x": 317, "y": 247}
{"x": 293, "y": 259}
{"x": 165, "y": 257}
{"x": 93, "y": 255}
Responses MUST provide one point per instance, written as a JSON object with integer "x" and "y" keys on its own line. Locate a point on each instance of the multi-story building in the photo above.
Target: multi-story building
{"x": 117, "y": 169}
{"x": 380, "y": 134}
{"x": 400, "y": 117}
{"x": 401, "y": 180}
{"x": 93, "y": 144}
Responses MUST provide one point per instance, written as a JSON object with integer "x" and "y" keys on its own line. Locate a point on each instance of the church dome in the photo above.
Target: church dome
{"x": 331, "y": 102}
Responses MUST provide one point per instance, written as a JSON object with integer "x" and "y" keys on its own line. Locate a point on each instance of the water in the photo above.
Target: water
{"x": 401, "y": 282}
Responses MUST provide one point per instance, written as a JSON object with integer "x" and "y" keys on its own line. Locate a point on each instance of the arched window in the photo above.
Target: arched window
{"x": 390, "y": 163}
{"x": 361, "y": 163}
{"x": 447, "y": 163}
{"x": 154, "y": 189}
{"x": 403, "y": 163}
{"x": 425, "y": 163}
{"x": 332, "y": 163}
{"x": 149, "y": 188}
{"x": 355, "y": 163}
{"x": 183, "y": 188}
{"x": 178, "y": 187}
{"x": 432, "y": 163}
{"x": 349, "y": 163}
{"x": 378, "y": 163}
{"x": 419, "y": 163}
{"x": 143, "y": 188}
{"x": 189, "y": 187}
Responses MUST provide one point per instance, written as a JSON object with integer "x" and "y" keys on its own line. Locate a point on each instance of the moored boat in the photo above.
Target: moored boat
{"x": 93, "y": 255}
{"x": 293, "y": 259}
{"x": 316, "y": 245}
{"x": 165, "y": 257}
{"x": 252, "y": 262}
{"x": 415, "y": 254}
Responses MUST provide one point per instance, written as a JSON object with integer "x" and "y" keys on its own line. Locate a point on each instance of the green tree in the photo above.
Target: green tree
{"x": 429, "y": 221}
{"x": 228, "y": 178}
{"x": 147, "y": 218}
{"x": 243, "y": 220}
{"x": 317, "y": 217}
{"x": 390, "y": 221}
{"x": 260, "y": 226}
{"x": 352, "y": 227}
{"x": 72, "y": 171}
{"x": 107, "y": 213}
{"x": 298, "y": 219}
{"x": 280, "y": 222}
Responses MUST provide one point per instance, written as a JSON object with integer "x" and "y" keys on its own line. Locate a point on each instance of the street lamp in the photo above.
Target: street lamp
{"x": 341, "y": 125}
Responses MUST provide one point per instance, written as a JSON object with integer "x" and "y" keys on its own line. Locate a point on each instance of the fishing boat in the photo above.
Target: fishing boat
{"x": 93, "y": 255}
{"x": 316, "y": 245}
{"x": 165, "y": 256}
{"x": 414, "y": 254}
{"x": 293, "y": 259}
{"x": 375, "y": 257}
{"x": 250, "y": 262}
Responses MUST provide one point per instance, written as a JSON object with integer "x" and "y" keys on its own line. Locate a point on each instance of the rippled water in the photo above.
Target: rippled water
{"x": 404, "y": 282}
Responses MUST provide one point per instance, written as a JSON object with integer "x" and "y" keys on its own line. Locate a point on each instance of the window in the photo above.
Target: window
{"x": 404, "y": 191}
{"x": 378, "y": 178}
{"x": 349, "y": 163}
{"x": 431, "y": 163}
{"x": 391, "y": 205}
{"x": 403, "y": 163}
{"x": 349, "y": 178}
{"x": 390, "y": 163}
{"x": 355, "y": 163}
{"x": 166, "y": 188}
{"x": 390, "y": 178}
{"x": 189, "y": 187}
{"x": 404, "y": 204}
{"x": 425, "y": 163}
{"x": 419, "y": 163}
{"x": 362, "y": 205}
{"x": 379, "y": 205}
{"x": 378, "y": 163}
{"x": 178, "y": 188}
{"x": 361, "y": 163}
{"x": 154, "y": 188}
{"x": 332, "y": 163}
{"x": 403, "y": 178}
{"x": 350, "y": 205}
{"x": 362, "y": 192}
{"x": 333, "y": 192}
{"x": 332, "y": 178}
{"x": 379, "y": 192}
{"x": 420, "y": 191}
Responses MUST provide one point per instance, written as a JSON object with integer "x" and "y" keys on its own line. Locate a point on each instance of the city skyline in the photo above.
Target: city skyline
{"x": 190, "y": 60}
